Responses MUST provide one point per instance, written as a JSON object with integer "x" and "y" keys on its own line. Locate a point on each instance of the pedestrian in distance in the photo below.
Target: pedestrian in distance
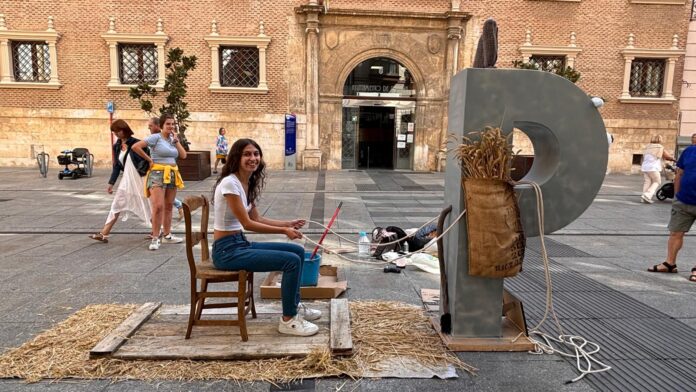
{"x": 651, "y": 167}
{"x": 163, "y": 178}
{"x": 153, "y": 126}
{"x": 235, "y": 195}
{"x": 683, "y": 213}
{"x": 220, "y": 149}
{"x": 129, "y": 195}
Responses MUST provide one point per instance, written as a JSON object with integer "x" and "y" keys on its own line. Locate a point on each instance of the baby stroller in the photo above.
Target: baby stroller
{"x": 667, "y": 189}
{"x": 80, "y": 158}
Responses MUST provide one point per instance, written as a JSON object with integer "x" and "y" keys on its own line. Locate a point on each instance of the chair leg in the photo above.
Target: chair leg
{"x": 251, "y": 295}
{"x": 241, "y": 305}
{"x": 204, "y": 289}
{"x": 192, "y": 312}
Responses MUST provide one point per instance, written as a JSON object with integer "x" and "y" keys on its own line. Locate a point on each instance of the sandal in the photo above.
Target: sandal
{"x": 692, "y": 278}
{"x": 671, "y": 268}
{"x": 100, "y": 237}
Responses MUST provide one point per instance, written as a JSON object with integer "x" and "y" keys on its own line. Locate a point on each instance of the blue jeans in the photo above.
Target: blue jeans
{"x": 234, "y": 252}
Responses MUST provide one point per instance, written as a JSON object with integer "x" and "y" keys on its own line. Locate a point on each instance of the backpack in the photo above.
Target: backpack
{"x": 385, "y": 235}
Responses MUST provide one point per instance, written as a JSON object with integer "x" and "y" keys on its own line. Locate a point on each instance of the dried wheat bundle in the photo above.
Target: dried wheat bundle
{"x": 486, "y": 154}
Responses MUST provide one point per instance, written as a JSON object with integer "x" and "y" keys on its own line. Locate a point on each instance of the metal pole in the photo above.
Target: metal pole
{"x": 111, "y": 120}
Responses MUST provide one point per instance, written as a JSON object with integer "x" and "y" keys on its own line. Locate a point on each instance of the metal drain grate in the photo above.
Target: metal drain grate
{"x": 555, "y": 248}
{"x": 647, "y": 349}
{"x": 366, "y": 187}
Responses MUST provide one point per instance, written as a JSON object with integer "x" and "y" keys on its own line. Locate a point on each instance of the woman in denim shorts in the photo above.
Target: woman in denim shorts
{"x": 163, "y": 179}
{"x": 236, "y": 191}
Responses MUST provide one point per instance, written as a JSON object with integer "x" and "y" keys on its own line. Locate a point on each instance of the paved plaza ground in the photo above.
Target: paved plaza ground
{"x": 646, "y": 323}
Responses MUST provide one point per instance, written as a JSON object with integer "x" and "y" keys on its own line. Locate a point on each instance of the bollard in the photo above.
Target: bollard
{"x": 42, "y": 160}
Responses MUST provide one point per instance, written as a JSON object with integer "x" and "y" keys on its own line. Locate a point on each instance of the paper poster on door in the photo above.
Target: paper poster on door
{"x": 409, "y": 139}
{"x": 410, "y": 127}
{"x": 401, "y": 137}
{"x": 401, "y": 145}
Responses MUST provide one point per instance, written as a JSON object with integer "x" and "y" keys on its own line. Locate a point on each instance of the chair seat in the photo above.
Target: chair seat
{"x": 206, "y": 270}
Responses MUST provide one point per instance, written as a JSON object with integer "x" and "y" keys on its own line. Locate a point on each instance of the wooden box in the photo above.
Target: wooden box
{"x": 196, "y": 166}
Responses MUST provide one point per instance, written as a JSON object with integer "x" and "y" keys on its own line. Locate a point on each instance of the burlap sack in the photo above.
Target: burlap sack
{"x": 495, "y": 236}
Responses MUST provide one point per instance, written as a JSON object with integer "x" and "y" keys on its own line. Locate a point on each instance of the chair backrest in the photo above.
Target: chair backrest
{"x": 79, "y": 152}
{"x": 194, "y": 237}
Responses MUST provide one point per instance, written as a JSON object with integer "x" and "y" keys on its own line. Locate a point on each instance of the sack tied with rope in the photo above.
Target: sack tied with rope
{"x": 495, "y": 237}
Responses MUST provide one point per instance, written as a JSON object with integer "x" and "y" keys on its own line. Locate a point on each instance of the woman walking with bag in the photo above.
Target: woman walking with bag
{"x": 235, "y": 195}
{"x": 220, "y": 149}
{"x": 163, "y": 179}
{"x": 129, "y": 195}
{"x": 651, "y": 167}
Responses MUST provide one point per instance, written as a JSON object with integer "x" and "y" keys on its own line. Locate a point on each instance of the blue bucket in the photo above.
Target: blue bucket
{"x": 310, "y": 270}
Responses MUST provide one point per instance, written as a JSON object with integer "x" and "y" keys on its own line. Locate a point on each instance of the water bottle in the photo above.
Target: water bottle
{"x": 363, "y": 245}
{"x": 405, "y": 247}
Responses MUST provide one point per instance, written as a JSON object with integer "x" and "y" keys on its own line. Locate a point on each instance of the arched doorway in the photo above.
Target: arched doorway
{"x": 378, "y": 125}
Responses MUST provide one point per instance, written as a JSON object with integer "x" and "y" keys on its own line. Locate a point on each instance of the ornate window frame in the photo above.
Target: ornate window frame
{"x": 671, "y": 56}
{"x": 215, "y": 40}
{"x": 570, "y": 52}
{"x": 113, "y": 38}
{"x": 50, "y": 36}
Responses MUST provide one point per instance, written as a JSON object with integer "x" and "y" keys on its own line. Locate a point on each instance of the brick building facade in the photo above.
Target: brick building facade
{"x": 397, "y": 55}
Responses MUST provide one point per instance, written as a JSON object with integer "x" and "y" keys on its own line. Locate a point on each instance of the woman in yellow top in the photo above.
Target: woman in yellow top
{"x": 163, "y": 179}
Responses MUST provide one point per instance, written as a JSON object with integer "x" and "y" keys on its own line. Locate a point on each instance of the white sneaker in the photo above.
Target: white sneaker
{"x": 171, "y": 239}
{"x": 154, "y": 244}
{"x": 308, "y": 313}
{"x": 297, "y": 326}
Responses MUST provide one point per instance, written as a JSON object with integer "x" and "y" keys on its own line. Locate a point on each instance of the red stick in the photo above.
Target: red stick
{"x": 333, "y": 218}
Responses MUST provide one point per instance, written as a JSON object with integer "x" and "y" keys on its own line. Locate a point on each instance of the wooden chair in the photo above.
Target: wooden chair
{"x": 204, "y": 271}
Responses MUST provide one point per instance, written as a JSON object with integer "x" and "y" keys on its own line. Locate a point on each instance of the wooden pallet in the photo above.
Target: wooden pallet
{"x": 513, "y": 325}
{"x": 161, "y": 336}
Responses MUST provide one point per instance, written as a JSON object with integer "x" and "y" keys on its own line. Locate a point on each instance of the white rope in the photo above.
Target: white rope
{"x": 583, "y": 349}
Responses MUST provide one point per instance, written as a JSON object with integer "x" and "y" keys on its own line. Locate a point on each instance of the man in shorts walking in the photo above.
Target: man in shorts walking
{"x": 683, "y": 211}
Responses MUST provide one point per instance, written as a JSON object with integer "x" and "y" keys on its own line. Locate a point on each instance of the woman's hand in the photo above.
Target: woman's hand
{"x": 293, "y": 233}
{"x": 297, "y": 223}
{"x": 110, "y": 189}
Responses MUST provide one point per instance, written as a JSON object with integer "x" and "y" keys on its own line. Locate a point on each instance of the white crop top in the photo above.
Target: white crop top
{"x": 224, "y": 218}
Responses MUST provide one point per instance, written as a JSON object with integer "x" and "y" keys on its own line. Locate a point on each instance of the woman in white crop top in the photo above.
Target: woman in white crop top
{"x": 236, "y": 191}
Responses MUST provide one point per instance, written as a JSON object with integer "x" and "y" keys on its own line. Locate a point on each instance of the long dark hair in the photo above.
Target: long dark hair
{"x": 258, "y": 178}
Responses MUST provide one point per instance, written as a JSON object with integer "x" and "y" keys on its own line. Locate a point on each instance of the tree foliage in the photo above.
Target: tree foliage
{"x": 565, "y": 72}
{"x": 177, "y": 68}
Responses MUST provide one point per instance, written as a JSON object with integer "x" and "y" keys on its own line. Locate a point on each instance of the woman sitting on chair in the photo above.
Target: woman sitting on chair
{"x": 236, "y": 191}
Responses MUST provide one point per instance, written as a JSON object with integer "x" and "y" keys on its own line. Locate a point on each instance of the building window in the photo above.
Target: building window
{"x": 239, "y": 66}
{"x": 135, "y": 58}
{"x": 31, "y": 61}
{"x": 28, "y": 59}
{"x": 137, "y": 63}
{"x": 550, "y": 58}
{"x": 647, "y": 77}
{"x": 649, "y": 73}
{"x": 548, "y": 63}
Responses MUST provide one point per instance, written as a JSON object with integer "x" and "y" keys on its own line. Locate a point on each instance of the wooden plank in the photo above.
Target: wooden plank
{"x": 215, "y": 348}
{"x": 119, "y": 335}
{"x": 506, "y": 342}
{"x": 341, "y": 342}
{"x": 174, "y": 328}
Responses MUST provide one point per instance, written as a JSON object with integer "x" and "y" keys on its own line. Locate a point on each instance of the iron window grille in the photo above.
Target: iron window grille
{"x": 31, "y": 61}
{"x": 647, "y": 77}
{"x": 137, "y": 63}
{"x": 548, "y": 63}
{"x": 239, "y": 66}
{"x": 693, "y": 9}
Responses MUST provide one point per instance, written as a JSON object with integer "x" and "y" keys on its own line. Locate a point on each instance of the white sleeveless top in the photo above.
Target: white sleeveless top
{"x": 225, "y": 220}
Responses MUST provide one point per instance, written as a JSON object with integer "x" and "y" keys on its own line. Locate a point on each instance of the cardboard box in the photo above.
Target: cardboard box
{"x": 327, "y": 287}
